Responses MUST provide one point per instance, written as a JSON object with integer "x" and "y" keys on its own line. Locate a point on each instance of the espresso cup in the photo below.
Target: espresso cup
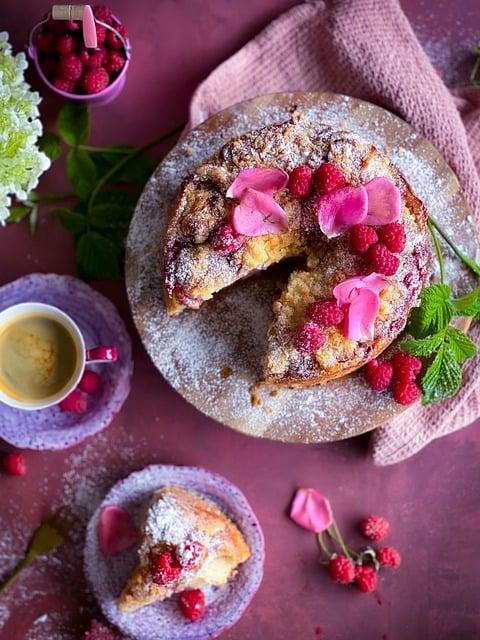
{"x": 78, "y": 354}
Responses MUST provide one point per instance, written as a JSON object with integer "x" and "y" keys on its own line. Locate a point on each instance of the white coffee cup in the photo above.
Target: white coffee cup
{"x": 99, "y": 354}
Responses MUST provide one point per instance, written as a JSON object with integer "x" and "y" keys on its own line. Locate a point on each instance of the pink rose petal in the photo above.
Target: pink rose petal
{"x": 341, "y": 209}
{"x": 258, "y": 214}
{"x": 374, "y": 282}
{"x": 266, "y": 180}
{"x": 311, "y": 510}
{"x": 384, "y": 202}
{"x": 116, "y": 531}
{"x": 360, "y": 319}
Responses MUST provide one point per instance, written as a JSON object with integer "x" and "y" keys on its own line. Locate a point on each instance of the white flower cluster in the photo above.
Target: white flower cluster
{"x": 21, "y": 163}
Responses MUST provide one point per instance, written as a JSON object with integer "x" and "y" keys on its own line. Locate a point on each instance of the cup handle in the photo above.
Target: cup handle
{"x": 101, "y": 354}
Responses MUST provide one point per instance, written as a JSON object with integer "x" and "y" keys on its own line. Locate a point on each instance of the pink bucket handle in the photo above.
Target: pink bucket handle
{"x": 89, "y": 30}
{"x": 101, "y": 354}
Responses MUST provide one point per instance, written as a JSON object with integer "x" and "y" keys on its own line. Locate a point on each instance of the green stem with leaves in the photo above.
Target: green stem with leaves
{"x": 468, "y": 262}
{"x": 438, "y": 251}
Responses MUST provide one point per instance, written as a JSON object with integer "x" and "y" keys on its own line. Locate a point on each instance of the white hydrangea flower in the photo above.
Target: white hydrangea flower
{"x": 21, "y": 163}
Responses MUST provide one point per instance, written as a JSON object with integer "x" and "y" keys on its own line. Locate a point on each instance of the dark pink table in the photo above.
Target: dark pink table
{"x": 432, "y": 500}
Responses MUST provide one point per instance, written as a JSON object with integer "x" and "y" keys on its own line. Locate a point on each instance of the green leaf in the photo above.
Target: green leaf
{"x": 72, "y": 220}
{"x": 424, "y": 347}
{"x": 136, "y": 171}
{"x": 17, "y": 214}
{"x": 443, "y": 377}
{"x": 106, "y": 216}
{"x": 434, "y": 312}
{"x": 49, "y": 143}
{"x": 467, "y": 305}
{"x": 460, "y": 344}
{"x": 116, "y": 196}
{"x": 97, "y": 256}
{"x": 73, "y": 123}
{"x": 82, "y": 172}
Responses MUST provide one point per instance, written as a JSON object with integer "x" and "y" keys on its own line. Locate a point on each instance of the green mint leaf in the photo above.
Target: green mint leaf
{"x": 72, "y": 220}
{"x": 424, "y": 347}
{"x": 73, "y": 123}
{"x": 433, "y": 314}
{"x": 460, "y": 344}
{"x": 110, "y": 216}
{"x": 443, "y": 377}
{"x": 17, "y": 213}
{"x": 97, "y": 257}
{"x": 467, "y": 305}
{"x": 81, "y": 172}
{"x": 49, "y": 143}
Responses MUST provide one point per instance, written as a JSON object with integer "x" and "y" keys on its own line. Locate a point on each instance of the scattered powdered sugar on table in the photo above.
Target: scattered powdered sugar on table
{"x": 229, "y": 332}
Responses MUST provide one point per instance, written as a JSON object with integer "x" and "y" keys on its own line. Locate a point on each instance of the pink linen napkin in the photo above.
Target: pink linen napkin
{"x": 366, "y": 49}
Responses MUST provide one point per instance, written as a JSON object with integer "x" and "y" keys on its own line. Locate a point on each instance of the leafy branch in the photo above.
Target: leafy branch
{"x": 106, "y": 182}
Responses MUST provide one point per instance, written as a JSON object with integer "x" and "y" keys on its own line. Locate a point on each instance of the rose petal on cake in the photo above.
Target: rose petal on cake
{"x": 258, "y": 214}
{"x": 311, "y": 510}
{"x": 341, "y": 209}
{"x": 116, "y": 530}
{"x": 266, "y": 180}
{"x": 359, "y": 321}
{"x": 374, "y": 282}
{"x": 384, "y": 202}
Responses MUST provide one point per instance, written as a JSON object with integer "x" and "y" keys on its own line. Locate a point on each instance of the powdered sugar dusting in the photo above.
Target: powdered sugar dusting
{"x": 230, "y": 330}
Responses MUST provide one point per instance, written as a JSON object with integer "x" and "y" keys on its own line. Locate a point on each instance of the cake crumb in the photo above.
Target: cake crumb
{"x": 226, "y": 372}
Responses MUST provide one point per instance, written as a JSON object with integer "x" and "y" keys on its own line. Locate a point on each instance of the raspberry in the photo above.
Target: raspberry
{"x": 165, "y": 568}
{"x": 192, "y": 604}
{"x": 75, "y": 402}
{"x": 374, "y": 527}
{"x": 405, "y": 392}
{"x": 14, "y": 464}
{"x": 328, "y": 177}
{"x": 66, "y": 43}
{"x": 45, "y": 42}
{"x": 325, "y": 313}
{"x": 189, "y": 554}
{"x": 70, "y": 67}
{"x": 309, "y": 338}
{"x": 98, "y": 631}
{"x": 378, "y": 375}
{"x": 89, "y": 382}
{"x": 101, "y": 33}
{"x": 300, "y": 181}
{"x": 341, "y": 569}
{"x": 393, "y": 237}
{"x": 388, "y": 557}
{"x": 381, "y": 260}
{"x": 64, "y": 85}
{"x": 72, "y": 25}
{"x": 406, "y": 367}
{"x": 366, "y": 578}
{"x": 115, "y": 62}
{"x": 226, "y": 240}
{"x": 103, "y": 13}
{"x": 361, "y": 237}
{"x": 94, "y": 59}
{"x": 95, "y": 80}
{"x": 49, "y": 65}
{"x": 113, "y": 40}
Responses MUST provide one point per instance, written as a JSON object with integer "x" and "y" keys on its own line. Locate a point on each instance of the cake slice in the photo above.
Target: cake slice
{"x": 187, "y": 542}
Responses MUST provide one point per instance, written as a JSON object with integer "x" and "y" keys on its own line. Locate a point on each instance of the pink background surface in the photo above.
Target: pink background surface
{"x": 432, "y": 500}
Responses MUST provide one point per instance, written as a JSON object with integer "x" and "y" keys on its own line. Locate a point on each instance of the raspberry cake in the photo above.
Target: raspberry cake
{"x": 333, "y": 202}
{"x": 187, "y": 543}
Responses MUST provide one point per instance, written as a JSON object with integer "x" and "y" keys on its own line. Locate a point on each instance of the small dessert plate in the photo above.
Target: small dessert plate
{"x": 107, "y": 574}
{"x": 99, "y": 323}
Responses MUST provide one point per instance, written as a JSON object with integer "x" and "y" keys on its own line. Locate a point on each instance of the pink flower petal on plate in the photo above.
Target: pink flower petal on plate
{"x": 384, "y": 202}
{"x": 374, "y": 282}
{"x": 311, "y": 510}
{"x": 258, "y": 214}
{"x": 266, "y": 180}
{"x": 116, "y": 530}
{"x": 341, "y": 209}
{"x": 359, "y": 321}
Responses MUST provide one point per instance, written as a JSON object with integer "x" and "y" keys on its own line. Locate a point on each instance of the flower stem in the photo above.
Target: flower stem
{"x": 121, "y": 163}
{"x": 322, "y": 544}
{"x": 469, "y": 262}
{"x": 334, "y": 533}
{"x": 438, "y": 251}
{"x": 49, "y": 197}
{"x": 117, "y": 152}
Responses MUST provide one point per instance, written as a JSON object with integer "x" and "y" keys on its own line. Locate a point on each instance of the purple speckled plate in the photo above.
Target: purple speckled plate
{"x": 100, "y": 324}
{"x": 107, "y": 575}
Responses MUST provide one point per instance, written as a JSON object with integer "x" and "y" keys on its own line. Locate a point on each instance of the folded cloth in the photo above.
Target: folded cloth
{"x": 366, "y": 49}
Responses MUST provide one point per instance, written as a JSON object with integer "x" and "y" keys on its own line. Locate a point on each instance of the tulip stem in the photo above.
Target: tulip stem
{"x": 334, "y": 533}
{"x": 323, "y": 546}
